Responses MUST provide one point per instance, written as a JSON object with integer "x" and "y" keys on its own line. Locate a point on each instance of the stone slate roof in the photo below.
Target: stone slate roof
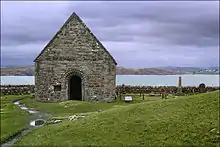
{"x": 74, "y": 15}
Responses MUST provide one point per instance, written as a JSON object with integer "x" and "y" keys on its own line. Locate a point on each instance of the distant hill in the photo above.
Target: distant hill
{"x": 192, "y": 70}
{"x": 17, "y": 71}
{"x": 181, "y": 68}
{"x": 29, "y": 71}
{"x": 143, "y": 71}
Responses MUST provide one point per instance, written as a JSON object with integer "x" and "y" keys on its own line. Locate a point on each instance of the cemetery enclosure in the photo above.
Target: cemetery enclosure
{"x": 28, "y": 89}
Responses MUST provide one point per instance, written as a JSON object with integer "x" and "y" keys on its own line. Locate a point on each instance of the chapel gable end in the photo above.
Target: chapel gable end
{"x": 73, "y": 37}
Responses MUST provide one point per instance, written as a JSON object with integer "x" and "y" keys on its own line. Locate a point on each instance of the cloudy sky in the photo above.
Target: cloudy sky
{"x": 137, "y": 34}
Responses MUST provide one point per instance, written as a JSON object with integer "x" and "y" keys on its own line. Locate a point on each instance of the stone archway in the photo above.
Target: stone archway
{"x": 75, "y": 88}
{"x": 75, "y": 84}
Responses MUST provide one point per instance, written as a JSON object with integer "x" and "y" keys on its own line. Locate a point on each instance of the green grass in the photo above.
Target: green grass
{"x": 13, "y": 119}
{"x": 72, "y": 107}
{"x": 191, "y": 120}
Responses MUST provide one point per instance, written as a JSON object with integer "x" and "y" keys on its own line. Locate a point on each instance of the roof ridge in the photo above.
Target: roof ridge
{"x": 74, "y": 15}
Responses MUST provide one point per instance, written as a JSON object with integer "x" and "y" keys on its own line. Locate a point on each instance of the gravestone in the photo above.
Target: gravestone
{"x": 202, "y": 87}
{"x": 179, "y": 90}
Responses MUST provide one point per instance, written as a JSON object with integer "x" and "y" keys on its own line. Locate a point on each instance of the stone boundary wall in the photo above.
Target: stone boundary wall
{"x": 28, "y": 89}
{"x": 16, "y": 89}
{"x": 162, "y": 89}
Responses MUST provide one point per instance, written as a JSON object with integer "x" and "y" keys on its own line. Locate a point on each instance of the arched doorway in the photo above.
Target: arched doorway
{"x": 75, "y": 88}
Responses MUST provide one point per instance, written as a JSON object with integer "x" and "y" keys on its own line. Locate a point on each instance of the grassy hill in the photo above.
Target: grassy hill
{"x": 191, "y": 120}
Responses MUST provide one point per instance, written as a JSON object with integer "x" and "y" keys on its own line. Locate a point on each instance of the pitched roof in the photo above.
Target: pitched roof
{"x": 74, "y": 15}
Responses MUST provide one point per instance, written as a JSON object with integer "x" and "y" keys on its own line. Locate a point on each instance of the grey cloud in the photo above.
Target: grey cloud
{"x": 183, "y": 23}
{"x": 145, "y": 33}
{"x": 151, "y": 55}
{"x": 29, "y": 24}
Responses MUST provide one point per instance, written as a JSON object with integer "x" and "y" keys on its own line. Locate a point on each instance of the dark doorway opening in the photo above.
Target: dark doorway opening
{"x": 75, "y": 88}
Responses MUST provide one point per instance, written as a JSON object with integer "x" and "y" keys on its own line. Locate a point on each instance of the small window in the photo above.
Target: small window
{"x": 57, "y": 87}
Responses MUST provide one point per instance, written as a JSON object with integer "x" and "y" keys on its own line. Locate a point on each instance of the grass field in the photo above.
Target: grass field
{"x": 13, "y": 119}
{"x": 191, "y": 120}
{"x": 72, "y": 107}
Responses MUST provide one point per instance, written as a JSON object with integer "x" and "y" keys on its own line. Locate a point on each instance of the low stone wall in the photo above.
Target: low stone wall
{"x": 16, "y": 89}
{"x": 162, "y": 89}
{"x": 28, "y": 89}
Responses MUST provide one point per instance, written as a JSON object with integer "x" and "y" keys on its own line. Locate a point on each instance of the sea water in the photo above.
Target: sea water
{"x": 141, "y": 80}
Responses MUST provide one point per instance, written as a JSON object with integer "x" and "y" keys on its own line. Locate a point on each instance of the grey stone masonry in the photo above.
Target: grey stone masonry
{"x": 74, "y": 50}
